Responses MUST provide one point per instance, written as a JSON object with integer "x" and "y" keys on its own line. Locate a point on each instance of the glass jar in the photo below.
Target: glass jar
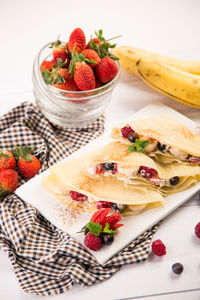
{"x": 69, "y": 108}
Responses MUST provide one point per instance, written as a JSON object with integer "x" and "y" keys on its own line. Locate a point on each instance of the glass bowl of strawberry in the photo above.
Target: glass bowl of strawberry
{"x": 73, "y": 81}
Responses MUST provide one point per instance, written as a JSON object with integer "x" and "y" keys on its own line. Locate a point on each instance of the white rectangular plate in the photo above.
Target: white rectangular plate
{"x": 33, "y": 193}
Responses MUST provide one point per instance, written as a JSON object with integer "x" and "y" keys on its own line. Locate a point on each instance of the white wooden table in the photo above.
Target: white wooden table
{"x": 167, "y": 27}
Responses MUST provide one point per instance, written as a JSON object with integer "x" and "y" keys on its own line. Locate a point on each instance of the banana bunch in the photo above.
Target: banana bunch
{"x": 176, "y": 78}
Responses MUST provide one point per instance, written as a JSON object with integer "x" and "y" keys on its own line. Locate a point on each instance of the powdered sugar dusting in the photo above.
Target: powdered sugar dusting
{"x": 73, "y": 215}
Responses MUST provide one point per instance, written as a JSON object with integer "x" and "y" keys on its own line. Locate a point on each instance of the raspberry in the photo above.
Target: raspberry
{"x": 78, "y": 196}
{"x": 197, "y": 230}
{"x": 148, "y": 172}
{"x": 103, "y": 204}
{"x": 115, "y": 169}
{"x": 92, "y": 241}
{"x": 126, "y": 130}
{"x": 99, "y": 169}
{"x": 158, "y": 248}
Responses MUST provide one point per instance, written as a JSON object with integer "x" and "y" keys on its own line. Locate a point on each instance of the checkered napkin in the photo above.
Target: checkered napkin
{"x": 46, "y": 260}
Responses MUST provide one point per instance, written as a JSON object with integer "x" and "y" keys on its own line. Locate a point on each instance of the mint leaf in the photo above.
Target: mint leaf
{"x": 131, "y": 148}
{"x": 94, "y": 228}
{"x": 108, "y": 230}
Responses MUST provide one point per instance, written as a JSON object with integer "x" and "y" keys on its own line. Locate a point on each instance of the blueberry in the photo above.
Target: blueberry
{"x": 108, "y": 166}
{"x": 107, "y": 238}
{"x": 118, "y": 207}
{"x": 174, "y": 180}
{"x": 177, "y": 268}
{"x": 163, "y": 147}
{"x": 133, "y": 136}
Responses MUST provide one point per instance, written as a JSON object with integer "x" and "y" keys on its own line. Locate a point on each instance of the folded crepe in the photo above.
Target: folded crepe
{"x": 74, "y": 175}
{"x": 168, "y": 139}
{"x": 139, "y": 170}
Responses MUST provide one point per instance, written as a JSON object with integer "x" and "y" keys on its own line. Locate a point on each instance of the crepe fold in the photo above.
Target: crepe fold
{"x": 123, "y": 186}
{"x": 183, "y": 145}
{"x": 74, "y": 175}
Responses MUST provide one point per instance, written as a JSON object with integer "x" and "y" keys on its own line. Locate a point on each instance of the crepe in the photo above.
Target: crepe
{"x": 129, "y": 165}
{"x": 182, "y": 145}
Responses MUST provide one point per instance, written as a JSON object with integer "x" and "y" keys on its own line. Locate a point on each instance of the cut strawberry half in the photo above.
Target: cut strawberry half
{"x": 99, "y": 215}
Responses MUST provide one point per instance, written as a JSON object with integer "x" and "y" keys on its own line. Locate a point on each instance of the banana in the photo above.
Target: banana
{"x": 130, "y": 55}
{"x": 172, "y": 82}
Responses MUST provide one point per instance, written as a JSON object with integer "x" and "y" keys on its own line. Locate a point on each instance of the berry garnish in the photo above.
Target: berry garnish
{"x": 177, "y": 268}
{"x": 133, "y": 136}
{"x": 147, "y": 172}
{"x": 77, "y": 196}
{"x": 158, "y": 248}
{"x": 162, "y": 147}
{"x": 99, "y": 169}
{"x": 103, "y": 204}
{"x": 197, "y": 230}
{"x": 174, "y": 180}
{"x": 108, "y": 166}
{"x": 92, "y": 241}
{"x": 126, "y": 130}
{"x": 118, "y": 207}
{"x": 194, "y": 159}
{"x": 107, "y": 238}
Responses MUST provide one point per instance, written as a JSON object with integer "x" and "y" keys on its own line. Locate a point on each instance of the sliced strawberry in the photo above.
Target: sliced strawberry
{"x": 99, "y": 215}
{"x": 116, "y": 226}
{"x": 112, "y": 219}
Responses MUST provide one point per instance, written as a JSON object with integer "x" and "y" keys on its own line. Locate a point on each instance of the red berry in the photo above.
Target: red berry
{"x": 7, "y": 160}
{"x": 112, "y": 219}
{"x": 99, "y": 169}
{"x": 47, "y": 65}
{"x": 103, "y": 204}
{"x": 106, "y": 69}
{"x": 28, "y": 169}
{"x": 84, "y": 77}
{"x": 77, "y": 37}
{"x": 8, "y": 180}
{"x": 99, "y": 215}
{"x": 60, "y": 51}
{"x": 69, "y": 84}
{"x": 148, "y": 172}
{"x": 77, "y": 196}
{"x": 92, "y": 241}
{"x": 91, "y": 54}
{"x": 96, "y": 41}
{"x": 126, "y": 130}
{"x": 158, "y": 248}
{"x": 197, "y": 230}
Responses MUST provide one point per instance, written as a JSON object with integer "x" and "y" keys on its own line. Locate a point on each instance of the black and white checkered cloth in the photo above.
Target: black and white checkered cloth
{"x": 46, "y": 260}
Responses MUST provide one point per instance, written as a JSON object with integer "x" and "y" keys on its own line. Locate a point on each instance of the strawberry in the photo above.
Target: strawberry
{"x": 27, "y": 164}
{"x": 8, "y": 182}
{"x": 47, "y": 65}
{"x": 94, "y": 40}
{"x": 77, "y": 39}
{"x": 91, "y": 55}
{"x": 69, "y": 84}
{"x": 60, "y": 51}
{"x": 84, "y": 76}
{"x": 97, "y": 84}
{"x": 7, "y": 160}
{"x": 106, "y": 69}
